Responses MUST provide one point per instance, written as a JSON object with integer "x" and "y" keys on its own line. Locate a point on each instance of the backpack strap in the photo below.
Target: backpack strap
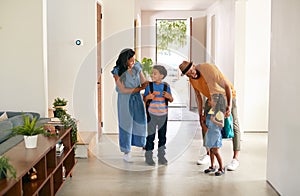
{"x": 151, "y": 86}
{"x": 165, "y": 89}
{"x": 148, "y": 101}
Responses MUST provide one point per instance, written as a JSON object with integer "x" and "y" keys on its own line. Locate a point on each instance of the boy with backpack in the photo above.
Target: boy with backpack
{"x": 157, "y": 95}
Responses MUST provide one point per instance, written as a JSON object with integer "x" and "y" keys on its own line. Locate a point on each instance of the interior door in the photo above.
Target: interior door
{"x": 99, "y": 69}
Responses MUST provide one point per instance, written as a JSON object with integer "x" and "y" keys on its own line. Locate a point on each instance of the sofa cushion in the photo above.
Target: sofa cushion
{"x": 5, "y": 130}
{"x": 19, "y": 119}
{"x": 12, "y": 114}
{"x": 3, "y": 116}
{"x": 9, "y": 143}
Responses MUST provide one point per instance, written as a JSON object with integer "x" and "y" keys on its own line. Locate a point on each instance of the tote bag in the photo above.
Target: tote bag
{"x": 227, "y": 130}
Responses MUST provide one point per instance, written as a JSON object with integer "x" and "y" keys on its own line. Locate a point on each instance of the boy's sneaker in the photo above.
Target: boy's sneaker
{"x": 162, "y": 161}
{"x": 127, "y": 158}
{"x": 150, "y": 161}
{"x": 204, "y": 160}
{"x": 233, "y": 165}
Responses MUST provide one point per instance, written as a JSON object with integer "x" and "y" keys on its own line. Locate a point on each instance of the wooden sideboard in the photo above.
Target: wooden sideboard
{"x": 50, "y": 167}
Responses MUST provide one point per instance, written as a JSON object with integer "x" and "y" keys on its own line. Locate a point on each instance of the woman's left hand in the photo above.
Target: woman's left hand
{"x": 145, "y": 84}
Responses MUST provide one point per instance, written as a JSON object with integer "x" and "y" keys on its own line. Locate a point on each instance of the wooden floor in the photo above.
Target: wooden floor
{"x": 105, "y": 173}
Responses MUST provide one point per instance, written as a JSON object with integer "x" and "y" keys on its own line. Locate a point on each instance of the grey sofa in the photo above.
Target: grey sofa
{"x": 7, "y": 140}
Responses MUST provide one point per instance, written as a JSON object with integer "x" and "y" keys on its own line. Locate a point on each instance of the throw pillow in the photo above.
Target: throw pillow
{"x": 3, "y": 117}
{"x": 19, "y": 119}
{"x": 5, "y": 130}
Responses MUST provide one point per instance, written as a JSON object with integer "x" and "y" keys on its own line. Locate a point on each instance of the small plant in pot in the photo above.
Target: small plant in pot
{"x": 65, "y": 118}
{"x": 59, "y": 105}
{"x": 59, "y": 102}
{"x": 30, "y": 131}
{"x": 6, "y": 169}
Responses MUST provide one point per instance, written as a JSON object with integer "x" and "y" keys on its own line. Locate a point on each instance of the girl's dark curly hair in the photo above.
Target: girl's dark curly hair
{"x": 121, "y": 62}
{"x": 220, "y": 103}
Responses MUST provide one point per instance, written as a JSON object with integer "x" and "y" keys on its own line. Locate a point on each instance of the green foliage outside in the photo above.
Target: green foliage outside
{"x": 171, "y": 32}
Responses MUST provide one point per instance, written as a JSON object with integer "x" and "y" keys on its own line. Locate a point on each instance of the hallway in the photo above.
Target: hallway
{"x": 105, "y": 173}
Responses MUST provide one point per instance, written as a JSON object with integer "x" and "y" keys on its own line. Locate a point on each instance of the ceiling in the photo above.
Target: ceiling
{"x": 191, "y": 5}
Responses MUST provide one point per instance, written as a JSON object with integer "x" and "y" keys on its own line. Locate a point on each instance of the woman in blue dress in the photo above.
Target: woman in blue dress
{"x": 130, "y": 80}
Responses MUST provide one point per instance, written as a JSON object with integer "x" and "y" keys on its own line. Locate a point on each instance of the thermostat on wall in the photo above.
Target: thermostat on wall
{"x": 78, "y": 42}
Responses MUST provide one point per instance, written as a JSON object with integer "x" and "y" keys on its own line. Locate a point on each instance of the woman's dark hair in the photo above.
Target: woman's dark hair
{"x": 220, "y": 103}
{"x": 121, "y": 62}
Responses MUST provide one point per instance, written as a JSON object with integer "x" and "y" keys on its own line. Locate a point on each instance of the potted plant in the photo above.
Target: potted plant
{"x": 59, "y": 106}
{"x": 68, "y": 121}
{"x": 64, "y": 117}
{"x": 6, "y": 169}
{"x": 30, "y": 131}
{"x": 59, "y": 103}
{"x": 147, "y": 66}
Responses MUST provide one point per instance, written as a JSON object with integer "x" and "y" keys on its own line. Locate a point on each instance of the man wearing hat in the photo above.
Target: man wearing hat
{"x": 207, "y": 79}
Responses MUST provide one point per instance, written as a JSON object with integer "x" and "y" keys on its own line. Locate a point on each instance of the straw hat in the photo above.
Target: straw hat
{"x": 185, "y": 66}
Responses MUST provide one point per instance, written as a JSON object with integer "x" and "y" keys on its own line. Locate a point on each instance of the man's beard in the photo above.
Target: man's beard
{"x": 198, "y": 74}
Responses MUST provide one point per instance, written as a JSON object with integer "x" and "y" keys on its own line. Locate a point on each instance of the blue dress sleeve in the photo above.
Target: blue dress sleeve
{"x": 115, "y": 71}
{"x": 138, "y": 67}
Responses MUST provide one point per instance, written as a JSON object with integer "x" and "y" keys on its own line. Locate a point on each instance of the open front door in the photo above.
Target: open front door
{"x": 172, "y": 47}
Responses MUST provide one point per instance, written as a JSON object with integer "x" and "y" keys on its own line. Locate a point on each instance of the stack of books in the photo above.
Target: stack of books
{"x": 59, "y": 148}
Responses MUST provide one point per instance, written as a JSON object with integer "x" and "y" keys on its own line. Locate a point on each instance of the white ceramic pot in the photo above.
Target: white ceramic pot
{"x": 30, "y": 141}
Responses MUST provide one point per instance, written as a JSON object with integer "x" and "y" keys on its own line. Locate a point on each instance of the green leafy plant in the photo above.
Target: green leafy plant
{"x": 6, "y": 169}
{"x": 66, "y": 120}
{"x": 59, "y": 102}
{"x": 29, "y": 127}
{"x": 147, "y": 66}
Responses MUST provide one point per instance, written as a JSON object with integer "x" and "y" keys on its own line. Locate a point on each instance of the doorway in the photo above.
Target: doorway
{"x": 172, "y": 47}
{"x": 99, "y": 69}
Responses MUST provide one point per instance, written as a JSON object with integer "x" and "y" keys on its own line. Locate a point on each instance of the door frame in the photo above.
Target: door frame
{"x": 99, "y": 68}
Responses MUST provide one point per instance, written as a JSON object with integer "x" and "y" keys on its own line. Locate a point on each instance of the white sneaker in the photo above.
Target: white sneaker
{"x": 204, "y": 160}
{"x": 233, "y": 165}
{"x": 127, "y": 158}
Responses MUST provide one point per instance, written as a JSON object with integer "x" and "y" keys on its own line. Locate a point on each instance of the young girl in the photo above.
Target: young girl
{"x": 213, "y": 137}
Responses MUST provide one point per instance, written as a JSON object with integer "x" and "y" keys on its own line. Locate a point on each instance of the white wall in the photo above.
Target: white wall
{"x": 118, "y": 26}
{"x": 257, "y": 69}
{"x": 283, "y": 161}
{"x": 224, "y": 39}
{"x": 240, "y": 58}
{"x": 72, "y": 69}
{"x": 22, "y": 60}
{"x": 242, "y": 53}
